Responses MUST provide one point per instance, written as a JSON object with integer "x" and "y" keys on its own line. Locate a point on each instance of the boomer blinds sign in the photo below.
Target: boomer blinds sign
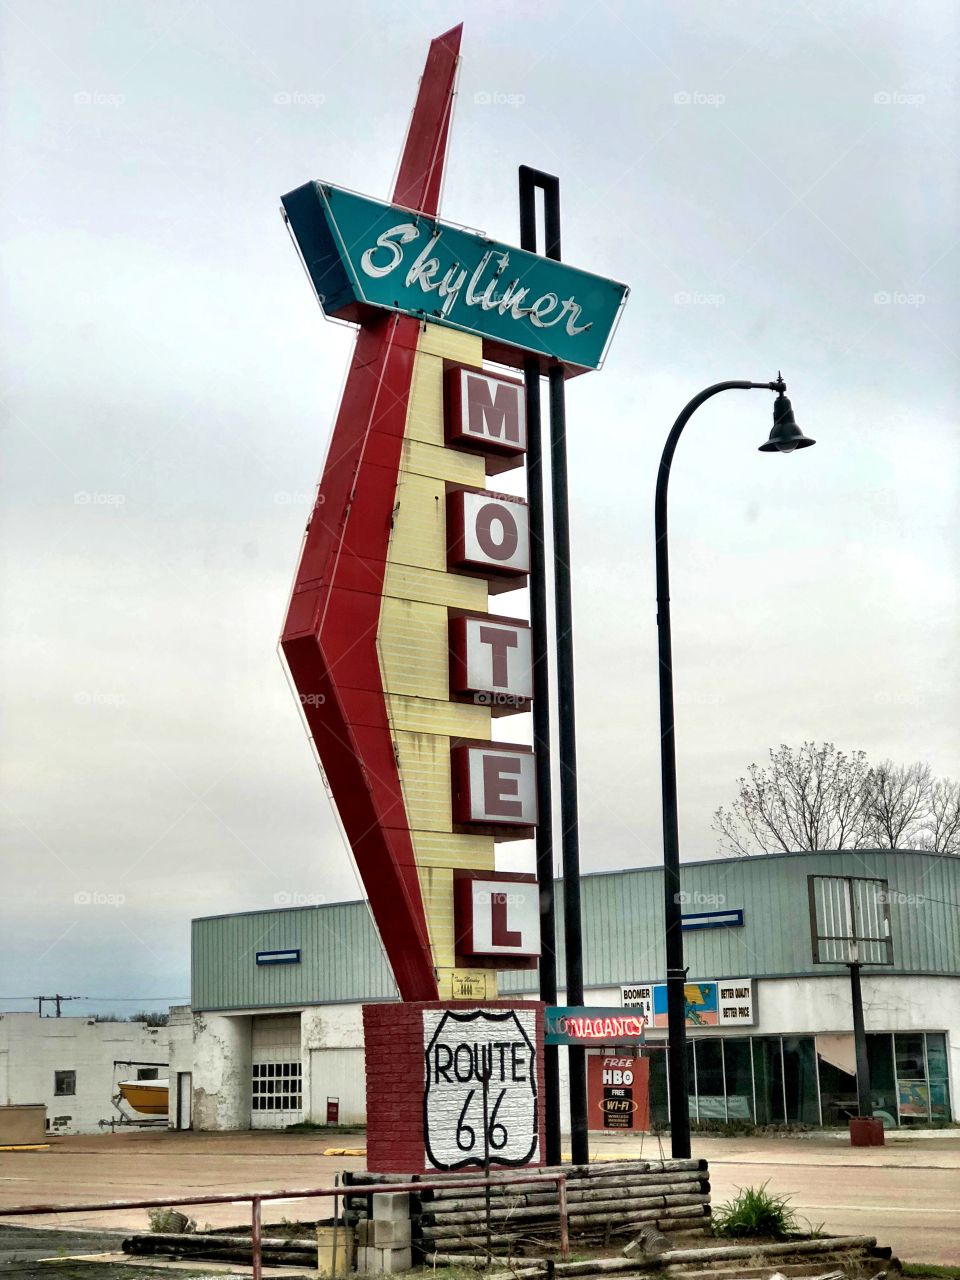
{"x": 480, "y": 1099}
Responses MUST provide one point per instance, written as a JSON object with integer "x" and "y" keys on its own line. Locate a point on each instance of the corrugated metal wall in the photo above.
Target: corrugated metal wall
{"x": 623, "y": 913}
{"x": 340, "y": 958}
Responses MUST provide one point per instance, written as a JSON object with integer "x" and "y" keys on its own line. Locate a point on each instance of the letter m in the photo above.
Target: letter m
{"x": 493, "y": 410}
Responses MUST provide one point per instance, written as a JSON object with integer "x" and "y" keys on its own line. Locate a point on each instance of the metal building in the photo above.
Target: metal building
{"x": 276, "y": 1035}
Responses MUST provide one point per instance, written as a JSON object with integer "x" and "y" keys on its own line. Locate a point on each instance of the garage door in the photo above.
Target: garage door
{"x": 277, "y": 1073}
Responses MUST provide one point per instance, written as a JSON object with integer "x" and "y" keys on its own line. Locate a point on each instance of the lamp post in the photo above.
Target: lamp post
{"x": 784, "y": 438}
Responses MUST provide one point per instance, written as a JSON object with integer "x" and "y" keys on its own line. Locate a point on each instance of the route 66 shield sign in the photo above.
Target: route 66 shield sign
{"x": 480, "y": 1097}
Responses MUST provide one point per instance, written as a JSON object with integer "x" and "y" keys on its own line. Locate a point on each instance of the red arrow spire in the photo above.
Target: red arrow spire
{"x": 330, "y": 634}
{"x": 421, "y": 163}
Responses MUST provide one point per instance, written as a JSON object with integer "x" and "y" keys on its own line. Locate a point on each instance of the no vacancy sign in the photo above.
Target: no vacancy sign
{"x": 480, "y": 1098}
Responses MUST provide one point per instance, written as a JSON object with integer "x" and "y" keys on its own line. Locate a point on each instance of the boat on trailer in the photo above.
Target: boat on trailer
{"x": 147, "y": 1097}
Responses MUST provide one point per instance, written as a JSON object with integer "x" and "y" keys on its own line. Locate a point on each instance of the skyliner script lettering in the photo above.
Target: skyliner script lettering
{"x": 387, "y": 255}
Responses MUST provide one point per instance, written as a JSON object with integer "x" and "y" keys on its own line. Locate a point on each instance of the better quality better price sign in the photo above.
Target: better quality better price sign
{"x": 480, "y": 1099}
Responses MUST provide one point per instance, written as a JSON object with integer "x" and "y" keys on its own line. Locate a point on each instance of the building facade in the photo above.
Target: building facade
{"x": 274, "y": 1035}
{"x": 73, "y": 1065}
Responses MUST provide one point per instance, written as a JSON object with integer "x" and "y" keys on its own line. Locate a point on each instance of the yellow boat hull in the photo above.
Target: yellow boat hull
{"x": 149, "y": 1097}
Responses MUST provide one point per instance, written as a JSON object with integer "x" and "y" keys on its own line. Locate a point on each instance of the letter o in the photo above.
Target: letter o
{"x": 467, "y": 1049}
{"x": 486, "y": 517}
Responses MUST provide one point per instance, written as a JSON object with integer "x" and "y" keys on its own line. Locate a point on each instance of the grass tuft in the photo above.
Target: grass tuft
{"x": 755, "y": 1213}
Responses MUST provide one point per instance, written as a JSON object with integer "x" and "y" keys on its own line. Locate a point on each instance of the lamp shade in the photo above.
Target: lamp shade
{"x": 785, "y": 435}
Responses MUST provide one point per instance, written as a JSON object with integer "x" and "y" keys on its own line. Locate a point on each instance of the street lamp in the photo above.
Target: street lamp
{"x": 785, "y": 437}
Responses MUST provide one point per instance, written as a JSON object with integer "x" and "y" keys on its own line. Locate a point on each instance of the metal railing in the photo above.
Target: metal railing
{"x": 256, "y": 1199}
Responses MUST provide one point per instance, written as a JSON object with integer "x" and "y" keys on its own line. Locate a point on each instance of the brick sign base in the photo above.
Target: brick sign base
{"x": 426, "y": 1110}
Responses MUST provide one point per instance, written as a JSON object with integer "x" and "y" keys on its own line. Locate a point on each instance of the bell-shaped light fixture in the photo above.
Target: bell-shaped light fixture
{"x": 785, "y": 435}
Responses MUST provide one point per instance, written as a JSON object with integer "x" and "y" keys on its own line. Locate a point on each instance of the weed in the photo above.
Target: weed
{"x": 755, "y": 1212}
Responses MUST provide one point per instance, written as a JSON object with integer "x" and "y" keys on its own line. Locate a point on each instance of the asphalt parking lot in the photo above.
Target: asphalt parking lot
{"x": 907, "y": 1193}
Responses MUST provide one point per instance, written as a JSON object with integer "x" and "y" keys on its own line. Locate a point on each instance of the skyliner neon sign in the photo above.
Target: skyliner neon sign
{"x": 364, "y": 254}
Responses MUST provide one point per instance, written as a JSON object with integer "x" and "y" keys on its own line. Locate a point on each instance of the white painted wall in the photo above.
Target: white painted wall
{"x": 333, "y": 1062}
{"x": 180, "y": 1033}
{"x": 221, "y": 1071}
{"x": 32, "y": 1049}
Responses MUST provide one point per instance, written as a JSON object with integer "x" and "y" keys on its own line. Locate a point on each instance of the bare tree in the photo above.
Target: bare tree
{"x": 808, "y": 797}
{"x": 941, "y": 833}
{"x": 816, "y": 797}
{"x": 898, "y": 804}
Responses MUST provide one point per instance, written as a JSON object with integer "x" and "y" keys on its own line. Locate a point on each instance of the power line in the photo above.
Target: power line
{"x": 104, "y": 999}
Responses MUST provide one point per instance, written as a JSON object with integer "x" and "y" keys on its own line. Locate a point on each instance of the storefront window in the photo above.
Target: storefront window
{"x": 659, "y": 1110}
{"x": 938, "y": 1076}
{"x": 769, "y": 1079}
{"x": 838, "y": 1087}
{"x": 692, "y": 1082}
{"x": 711, "y": 1099}
{"x": 913, "y": 1093}
{"x": 739, "y": 1071}
{"x": 883, "y": 1080}
{"x": 806, "y": 1079}
{"x": 800, "y": 1080}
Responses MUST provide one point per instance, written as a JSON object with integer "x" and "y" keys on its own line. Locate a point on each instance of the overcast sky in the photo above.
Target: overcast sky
{"x": 777, "y": 182}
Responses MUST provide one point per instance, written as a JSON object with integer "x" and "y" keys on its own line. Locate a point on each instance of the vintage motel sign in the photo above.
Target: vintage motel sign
{"x": 399, "y": 661}
{"x": 363, "y": 254}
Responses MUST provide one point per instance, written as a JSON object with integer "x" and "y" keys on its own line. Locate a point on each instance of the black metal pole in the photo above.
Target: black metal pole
{"x": 541, "y": 702}
{"x": 569, "y": 815}
{"x": 567, "y": 725}
{"x": 677, "y": 1083}
{"x": 864, "y": 1100}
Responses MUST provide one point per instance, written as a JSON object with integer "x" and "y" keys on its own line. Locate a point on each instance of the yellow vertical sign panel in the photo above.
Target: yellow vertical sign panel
{"x": 414, "y": 652}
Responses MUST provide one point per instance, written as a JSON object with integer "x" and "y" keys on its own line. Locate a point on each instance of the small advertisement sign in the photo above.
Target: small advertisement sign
{"x": 726, "y": 1002}
{"x": 618, "y": 1092}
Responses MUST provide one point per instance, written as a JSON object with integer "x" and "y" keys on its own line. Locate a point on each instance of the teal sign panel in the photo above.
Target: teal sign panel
{"x": 573, "y": 1024}
{"x": 362, "y": 253}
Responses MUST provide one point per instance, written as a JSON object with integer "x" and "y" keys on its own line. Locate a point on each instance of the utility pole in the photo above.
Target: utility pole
{"x": 55, "y": 1000}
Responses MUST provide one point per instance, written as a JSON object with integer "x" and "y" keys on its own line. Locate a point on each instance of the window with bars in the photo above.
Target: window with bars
{"x": 277, "y": 1086}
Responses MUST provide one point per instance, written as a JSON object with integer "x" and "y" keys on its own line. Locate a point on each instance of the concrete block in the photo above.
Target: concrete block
{"x": 325, "y": 1251}
{"x": 372, "y": 1261}
{"x": 391, "y": 1206}
{"x": 393, "y": 1234}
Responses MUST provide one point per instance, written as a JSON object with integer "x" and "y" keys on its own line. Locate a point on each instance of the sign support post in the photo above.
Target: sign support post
{"x": 541, "y": 701}
{"x": 563, "y": 603}
{"x": 864, "y": 1100}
